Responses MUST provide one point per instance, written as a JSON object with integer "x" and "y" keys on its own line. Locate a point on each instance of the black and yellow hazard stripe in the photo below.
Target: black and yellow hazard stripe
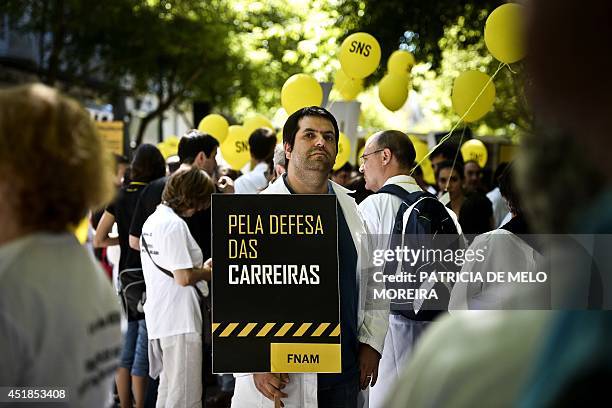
{"x": 287, "y": 329}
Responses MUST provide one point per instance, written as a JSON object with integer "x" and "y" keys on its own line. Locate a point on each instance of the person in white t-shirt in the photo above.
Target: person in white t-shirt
{"x": 59, "y": 316}
{"x": 172, "y": 309}
{"x": 261, "y": 147}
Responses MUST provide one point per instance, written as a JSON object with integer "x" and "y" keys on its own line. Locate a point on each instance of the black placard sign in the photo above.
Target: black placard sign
{"x": 275, "y": 295}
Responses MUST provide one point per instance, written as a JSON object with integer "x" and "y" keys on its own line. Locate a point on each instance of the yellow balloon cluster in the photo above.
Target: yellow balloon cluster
{"x": 473, "y": 95}
{"x": 359, "y": 55}
{"x": 235, "y": 148}
{"x": 344, "y": 151}
{"x": 215, "y": 125}
{"x": 503, "y": 33}
{"x": 299, "y": 91}
{"x": 394, "y": 87}
{"x": 475, "y": 150}
{"x": 255, "y": 122}
{"x": 349, "y": 88}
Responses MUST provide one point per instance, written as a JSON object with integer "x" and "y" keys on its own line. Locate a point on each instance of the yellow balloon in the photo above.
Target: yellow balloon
{"x": 167, "y": 150}
{"x": 235, "y": 148}
{"x": 215, "y": 125}
{"x": 344, "y": 151}
{"x": 474, "y": 150}
{"x": 349, "y": 88}
{"x": 400, "y": 62}
{"x": 393, "y": 90}
{"x": 299, "y": 91}
{"x": 466, "y": 89}
{"x": 172, "y": 140}
{"x": 255, "y": 122}
{"x": 81, "y": 230}
{"x": 503, "y": 33}
{"x": 359, "y": 55}
{"x": 422, "y": 149}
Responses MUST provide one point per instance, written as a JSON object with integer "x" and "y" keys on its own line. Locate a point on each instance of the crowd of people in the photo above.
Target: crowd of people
{"x": 61, "y": 318}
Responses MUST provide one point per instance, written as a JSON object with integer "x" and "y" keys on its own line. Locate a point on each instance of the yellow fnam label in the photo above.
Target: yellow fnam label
{"x": 305, "y": 358}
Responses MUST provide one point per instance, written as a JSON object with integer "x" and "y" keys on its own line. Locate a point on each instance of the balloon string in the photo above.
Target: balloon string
{"x": 455, "y": 160}
{"x": 448, "y": 135}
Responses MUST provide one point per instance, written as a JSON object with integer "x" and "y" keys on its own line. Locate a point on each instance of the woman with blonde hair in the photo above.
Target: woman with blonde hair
{"x": 174, "y": 273}
{"x": 59, "y": 317}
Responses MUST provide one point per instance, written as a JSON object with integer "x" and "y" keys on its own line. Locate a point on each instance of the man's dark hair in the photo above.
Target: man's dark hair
{"x": 448, "y": 151}
{"x": 399, "y": 144}
{"x": 194, "y": 142}
{"x": 292, "y": 124}
{"x": 148, "y": 164}
{"x": 448, "y": 164}
{"x": 261, "y": 144}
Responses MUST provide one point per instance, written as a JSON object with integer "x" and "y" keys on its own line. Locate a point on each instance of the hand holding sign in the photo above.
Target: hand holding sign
{"x": 368, "y": 365}
{"x": 270, "y": 385}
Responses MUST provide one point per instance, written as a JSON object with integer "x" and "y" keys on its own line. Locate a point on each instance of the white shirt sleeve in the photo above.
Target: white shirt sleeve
{"x": 173, "y": 248}
{"x": 370, "y": 214}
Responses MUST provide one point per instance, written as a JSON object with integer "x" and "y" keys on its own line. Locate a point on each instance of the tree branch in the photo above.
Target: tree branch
{"x": 171, "y": 99}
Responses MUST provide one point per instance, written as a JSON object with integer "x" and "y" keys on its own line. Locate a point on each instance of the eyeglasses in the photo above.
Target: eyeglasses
{"x": 363, "y": 156}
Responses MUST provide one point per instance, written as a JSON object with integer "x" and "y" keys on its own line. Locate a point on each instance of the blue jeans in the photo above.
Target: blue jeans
{"x": 135, "y": 354}
{"x": 339, "y": 396}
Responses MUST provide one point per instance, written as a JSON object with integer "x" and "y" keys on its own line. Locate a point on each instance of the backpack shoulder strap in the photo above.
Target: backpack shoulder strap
{"x": 167, "y": 272}
{"x": 398, "y": 192}
{"x": 146, "y": 247}
{"x": 408, "y": 198}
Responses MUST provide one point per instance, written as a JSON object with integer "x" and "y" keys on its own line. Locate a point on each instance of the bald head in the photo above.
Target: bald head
{"x": 400, "y": 146}
{"x": 386, "y": 154}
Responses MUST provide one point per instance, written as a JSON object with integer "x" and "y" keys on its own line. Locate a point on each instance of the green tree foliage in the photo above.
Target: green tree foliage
{"x": 177, "y": 49}
{"x": 280, "y": 38}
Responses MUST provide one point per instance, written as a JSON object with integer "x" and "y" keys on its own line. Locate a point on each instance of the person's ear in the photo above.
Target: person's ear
{"x": 287, "y": 149}
{"x": 200, "y": 157}
{"x": 386, "y": 156}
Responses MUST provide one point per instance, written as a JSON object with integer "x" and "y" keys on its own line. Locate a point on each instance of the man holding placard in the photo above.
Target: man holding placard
{"x": 310, "y": 138}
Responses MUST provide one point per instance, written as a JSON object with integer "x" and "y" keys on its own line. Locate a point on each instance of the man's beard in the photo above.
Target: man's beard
{"x": 319, "y": 162}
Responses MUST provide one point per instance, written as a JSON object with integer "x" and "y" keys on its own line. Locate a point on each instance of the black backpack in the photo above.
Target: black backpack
{"x": 132, "y": 291}
{"x": 422, "y": 221}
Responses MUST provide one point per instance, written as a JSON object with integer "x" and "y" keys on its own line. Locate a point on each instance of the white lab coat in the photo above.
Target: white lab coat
{"x": 503, "y": 251}
{"x": 379, "y": 211}
{"x": 252, "y": 182}
{"x": 372, "y": 320}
